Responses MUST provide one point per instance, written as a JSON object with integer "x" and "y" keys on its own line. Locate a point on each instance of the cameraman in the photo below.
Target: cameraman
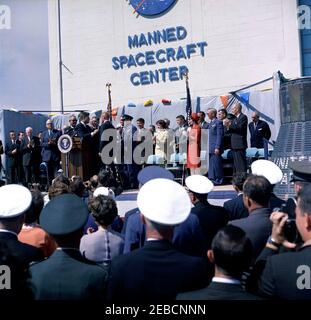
{"x": 287, "y": 275}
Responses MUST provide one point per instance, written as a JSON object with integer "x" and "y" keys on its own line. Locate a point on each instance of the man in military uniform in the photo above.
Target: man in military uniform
{"x": 15, "y": 200}
{"x": 66, "y": 274}
{"x": 158, "y": 271}
{"x": 133, "y": 229}
{"x": 301, "y": 177}
{"x": 216, "y": 136}
{"x": 273, "y": 174}
{"x": 211, "y": 218}
{"x": 187, "y": 237}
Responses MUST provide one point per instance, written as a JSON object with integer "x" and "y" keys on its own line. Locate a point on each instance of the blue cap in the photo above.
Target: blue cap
{"x": 154, "y": 172}
{"x": 64, "y": 214}
{"x": 127, "y": 117}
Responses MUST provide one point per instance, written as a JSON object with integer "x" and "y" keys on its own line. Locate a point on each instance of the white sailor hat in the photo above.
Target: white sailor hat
{"x": 104, "y": 192}
{"x": 267, "y": 169}
{"x": 199, "y": 184}
{"x": 15, "y": 200}
{"x": 164, "y": 201}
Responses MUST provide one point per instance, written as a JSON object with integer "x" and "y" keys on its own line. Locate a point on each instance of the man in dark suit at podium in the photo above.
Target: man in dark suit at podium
{"x": 12, "y": 151}
{"x": 82, "y": 129}
{"x": 50, "y": 153}
{"x": 89, "y": 138}
{"x": 70, "y": 130}
{"x": 238, "y": 130}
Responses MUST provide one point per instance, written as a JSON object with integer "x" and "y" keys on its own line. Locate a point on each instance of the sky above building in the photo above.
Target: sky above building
{"x": 24, "y": 56}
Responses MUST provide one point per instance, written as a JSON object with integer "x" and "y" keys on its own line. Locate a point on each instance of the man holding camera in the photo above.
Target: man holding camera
{"x": 287, "y": 275}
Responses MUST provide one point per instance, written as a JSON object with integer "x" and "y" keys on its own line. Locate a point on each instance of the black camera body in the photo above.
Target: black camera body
{"x": 290, "y": 228}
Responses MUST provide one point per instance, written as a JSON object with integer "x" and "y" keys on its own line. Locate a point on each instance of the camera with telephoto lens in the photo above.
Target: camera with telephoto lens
{"x": 290, "y": 229}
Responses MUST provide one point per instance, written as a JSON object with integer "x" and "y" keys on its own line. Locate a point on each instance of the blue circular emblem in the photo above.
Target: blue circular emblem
{"x": 151, "y": 7}
{"x": 64, "y": 143}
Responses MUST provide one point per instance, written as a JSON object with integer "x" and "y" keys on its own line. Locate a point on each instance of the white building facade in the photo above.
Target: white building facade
{"x": 224, "y": 45}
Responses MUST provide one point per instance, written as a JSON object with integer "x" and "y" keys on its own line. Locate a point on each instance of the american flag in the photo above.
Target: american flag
{"x": 188, "y": 105}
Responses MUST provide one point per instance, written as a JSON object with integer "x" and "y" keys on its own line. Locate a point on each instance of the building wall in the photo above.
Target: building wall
{"x": 247, "y": 42}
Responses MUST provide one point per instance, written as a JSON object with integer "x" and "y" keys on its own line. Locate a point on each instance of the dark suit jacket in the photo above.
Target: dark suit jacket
{"x": 66, "y": 275}
{"x": 262, "y": 131}
{"x": 22, "y": 253}
{"x": 281, "y": 275}
{"x": 156, "y": 272}
{"x": 70, "y": 131}
{"x": 30, "y": 154}
{"x": 235, "y": 208}
{"x": 211, "y": 219}
{"x": 188, "y": 237}
{"x": 257, "y": 227}
{"x": 50, "y": 152}
{"x": 275, "y": 202}
{"x": 12, "y": 159}
{"x": 83, "y": 131}
{"x": 238, "y": 130}
{"x": 18, "y": 276}
{"x": 104, "y": 126}
{"x": 218, "y": 291}
{"x": 216, "y": 136}
{"x": 1, "y": 152}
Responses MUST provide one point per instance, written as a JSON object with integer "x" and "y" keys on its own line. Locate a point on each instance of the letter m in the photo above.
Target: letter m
{"x": 133, "y": 41}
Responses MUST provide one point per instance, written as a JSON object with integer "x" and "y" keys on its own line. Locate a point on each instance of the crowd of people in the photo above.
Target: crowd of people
{"x": 26, "y": 151}
{"x": 72, "y": 244}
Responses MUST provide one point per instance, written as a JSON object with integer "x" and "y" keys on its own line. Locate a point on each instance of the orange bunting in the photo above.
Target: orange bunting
{"x": 114, "y": 113}
{"x": 224, "y": 101}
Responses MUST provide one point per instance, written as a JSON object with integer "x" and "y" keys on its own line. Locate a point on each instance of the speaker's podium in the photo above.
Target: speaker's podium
{"x": 77, "y": 157}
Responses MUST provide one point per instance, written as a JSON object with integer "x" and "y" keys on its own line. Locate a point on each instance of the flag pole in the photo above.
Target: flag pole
{"x": 188, "y": 105}
{"x": 109, "y": 107}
